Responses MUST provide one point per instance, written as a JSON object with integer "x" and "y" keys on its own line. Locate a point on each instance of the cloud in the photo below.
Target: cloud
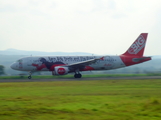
{"x": 97, "y": 26}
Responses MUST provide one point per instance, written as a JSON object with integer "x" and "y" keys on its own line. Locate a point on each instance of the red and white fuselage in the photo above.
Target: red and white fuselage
{"x": 61, "y": 65}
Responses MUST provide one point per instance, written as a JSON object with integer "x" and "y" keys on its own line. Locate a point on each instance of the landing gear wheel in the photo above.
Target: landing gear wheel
{"x": 77, "y": 75}
{"x": 29, "y": 77}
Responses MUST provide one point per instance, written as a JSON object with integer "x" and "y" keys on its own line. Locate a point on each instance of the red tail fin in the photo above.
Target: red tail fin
{"x": 137, "y": 48}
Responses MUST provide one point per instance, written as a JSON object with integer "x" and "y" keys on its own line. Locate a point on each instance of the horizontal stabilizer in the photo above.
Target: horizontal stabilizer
{"x": 140, "y": 59}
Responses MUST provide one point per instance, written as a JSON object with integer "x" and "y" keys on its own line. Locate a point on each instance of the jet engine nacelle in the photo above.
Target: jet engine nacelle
{"x": 60, "y": 70}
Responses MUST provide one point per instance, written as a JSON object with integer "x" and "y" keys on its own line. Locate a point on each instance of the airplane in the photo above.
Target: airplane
{"x": 62, "y": 65}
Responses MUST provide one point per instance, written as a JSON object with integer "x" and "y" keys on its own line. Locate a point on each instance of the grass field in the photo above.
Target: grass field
{"x": 81, "y": 100}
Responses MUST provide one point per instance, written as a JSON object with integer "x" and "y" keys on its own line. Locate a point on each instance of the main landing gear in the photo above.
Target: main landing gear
{"x": 29, "y": 77}
{"x": 77, "y": 75}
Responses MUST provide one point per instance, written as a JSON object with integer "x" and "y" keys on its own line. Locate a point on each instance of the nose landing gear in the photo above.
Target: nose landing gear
{"x": 29, "y": 77}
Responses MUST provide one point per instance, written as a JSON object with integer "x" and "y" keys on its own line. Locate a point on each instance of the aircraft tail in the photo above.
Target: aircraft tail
{"x": 137, "y": 48}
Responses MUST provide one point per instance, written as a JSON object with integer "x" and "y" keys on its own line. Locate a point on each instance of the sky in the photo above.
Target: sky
{"x": 93, "y": 26}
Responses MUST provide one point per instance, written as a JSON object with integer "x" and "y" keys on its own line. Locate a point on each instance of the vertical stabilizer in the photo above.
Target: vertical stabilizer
{"x": 137, "y": 48}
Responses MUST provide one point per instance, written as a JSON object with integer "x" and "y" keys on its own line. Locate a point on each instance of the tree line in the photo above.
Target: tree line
{"x": 2, "y": 70}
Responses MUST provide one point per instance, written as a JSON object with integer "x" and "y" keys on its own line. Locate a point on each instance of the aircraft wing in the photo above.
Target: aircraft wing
{"x": 80, "y": 65}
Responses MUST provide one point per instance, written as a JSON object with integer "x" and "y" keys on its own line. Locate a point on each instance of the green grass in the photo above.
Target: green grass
{"x": 81, "y": 100}
{"x": 84, "y": 76}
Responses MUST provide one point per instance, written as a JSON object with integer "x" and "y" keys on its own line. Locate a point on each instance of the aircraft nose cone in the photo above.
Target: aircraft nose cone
{"x": 13, "y": 66}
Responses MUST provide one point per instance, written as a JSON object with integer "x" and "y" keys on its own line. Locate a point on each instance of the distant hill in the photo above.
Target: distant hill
{"x": 29, "y": 53}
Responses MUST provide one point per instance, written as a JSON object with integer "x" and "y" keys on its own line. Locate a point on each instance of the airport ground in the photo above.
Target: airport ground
{"x": 120, "y": 98}
{"x": 85, "y": 77}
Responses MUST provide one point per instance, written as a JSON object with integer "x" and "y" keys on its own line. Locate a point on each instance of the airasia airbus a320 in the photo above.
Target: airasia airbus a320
{"x": 62, "y": 65}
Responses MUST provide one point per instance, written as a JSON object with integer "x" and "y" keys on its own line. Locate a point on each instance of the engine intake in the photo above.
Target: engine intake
{"x": 60, "y": 70}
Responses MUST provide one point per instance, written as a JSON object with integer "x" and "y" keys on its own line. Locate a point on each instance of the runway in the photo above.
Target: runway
{"x": 80, "y": 79}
